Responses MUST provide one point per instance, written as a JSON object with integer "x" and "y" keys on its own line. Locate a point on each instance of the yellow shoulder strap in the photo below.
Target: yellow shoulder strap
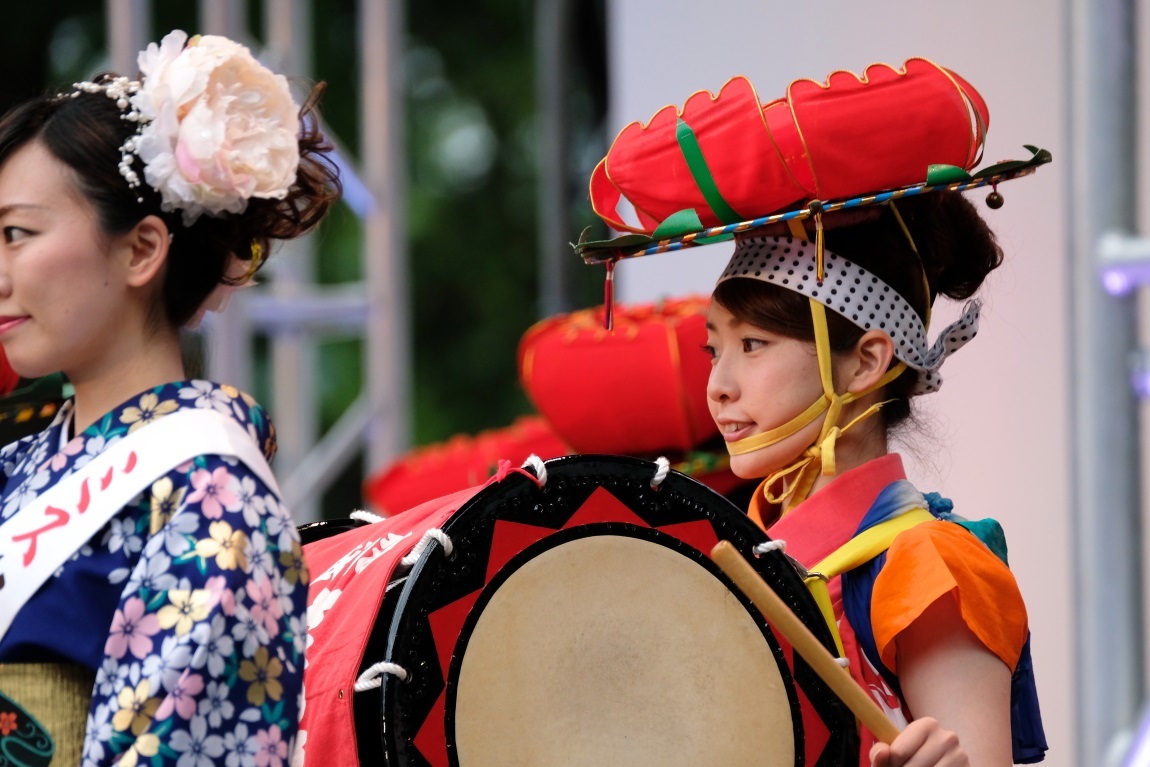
{"x": 869, "y": 544}
{"x": 862, "y": 548}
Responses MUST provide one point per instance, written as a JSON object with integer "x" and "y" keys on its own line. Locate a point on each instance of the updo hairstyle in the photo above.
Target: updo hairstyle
{"x": 85, "y": 133}
{"x": 957, "y": 250}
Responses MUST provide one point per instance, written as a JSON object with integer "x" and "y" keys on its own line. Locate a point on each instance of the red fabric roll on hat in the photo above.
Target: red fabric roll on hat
{"x": 843, "y": 137}
{"x": 725, "y": 164}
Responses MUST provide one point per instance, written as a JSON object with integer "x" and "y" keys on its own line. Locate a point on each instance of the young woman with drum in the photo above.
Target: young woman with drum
{"x": 818, "y": 339}
{"x": 152, "y": 587}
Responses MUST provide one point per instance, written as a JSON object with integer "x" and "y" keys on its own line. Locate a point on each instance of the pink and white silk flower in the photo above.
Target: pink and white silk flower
{"x": 220, "y": 127}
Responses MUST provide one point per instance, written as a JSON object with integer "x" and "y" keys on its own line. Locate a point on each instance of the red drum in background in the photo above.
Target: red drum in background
{"x": 573, "y": 618}
{"x": 637, "y": 390}
{"x": 461, "y": 462}
{"x": 640, "y": 389}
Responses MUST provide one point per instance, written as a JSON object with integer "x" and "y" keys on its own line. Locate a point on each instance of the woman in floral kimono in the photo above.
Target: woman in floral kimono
{"x": 152, "y": 588}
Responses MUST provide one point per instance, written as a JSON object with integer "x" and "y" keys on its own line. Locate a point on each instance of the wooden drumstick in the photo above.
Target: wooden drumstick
{"x": 812, "y": 651}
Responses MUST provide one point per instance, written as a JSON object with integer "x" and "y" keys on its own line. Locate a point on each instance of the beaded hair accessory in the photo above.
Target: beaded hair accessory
{"x": 215, "y": 128}
{"x": 120, "y": 90}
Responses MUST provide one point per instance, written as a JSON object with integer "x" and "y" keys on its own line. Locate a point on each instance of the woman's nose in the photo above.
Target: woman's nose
{"x": 720, "y": 384}
{"x": 5, "y": 280}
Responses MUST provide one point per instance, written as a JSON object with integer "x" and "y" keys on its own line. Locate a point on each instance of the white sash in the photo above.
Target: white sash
{"x": 43, "y": 535}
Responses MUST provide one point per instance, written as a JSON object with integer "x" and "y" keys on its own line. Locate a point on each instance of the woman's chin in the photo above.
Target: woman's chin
{"x": 30, "y": 369}
{"x": 766, "y": 461}
{"x": 748, "y": 467}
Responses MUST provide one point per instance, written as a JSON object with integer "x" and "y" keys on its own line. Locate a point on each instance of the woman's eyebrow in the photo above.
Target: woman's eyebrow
{"x": 6, "y": 209}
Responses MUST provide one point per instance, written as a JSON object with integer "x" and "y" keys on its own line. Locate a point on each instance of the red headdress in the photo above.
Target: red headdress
{"x": 728, "y": 163}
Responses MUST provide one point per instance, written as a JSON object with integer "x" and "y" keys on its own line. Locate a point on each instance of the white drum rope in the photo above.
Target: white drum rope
{"x": 769, "y": 546}
{"x": 429, "y": 535}
{"x": 663, "y": 466}
{"x": 535, "y": 463}
{"x": 372, "y": 676}
{"x": 361, "y": 515}
{"x": 780, "y": 545}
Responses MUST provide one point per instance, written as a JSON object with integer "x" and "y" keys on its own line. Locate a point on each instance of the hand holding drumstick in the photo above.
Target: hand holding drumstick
{"x": 923, "y": 742}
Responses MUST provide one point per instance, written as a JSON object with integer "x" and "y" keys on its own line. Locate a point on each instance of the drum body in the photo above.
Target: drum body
{"x": 579, "y": 621}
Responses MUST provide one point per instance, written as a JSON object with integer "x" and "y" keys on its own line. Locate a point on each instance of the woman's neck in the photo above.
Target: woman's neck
{"x": 856, "y": 446}
{"x": 98, "y": 391}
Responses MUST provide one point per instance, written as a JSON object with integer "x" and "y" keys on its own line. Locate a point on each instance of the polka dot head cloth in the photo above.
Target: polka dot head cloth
{"x": 856, "y": 294}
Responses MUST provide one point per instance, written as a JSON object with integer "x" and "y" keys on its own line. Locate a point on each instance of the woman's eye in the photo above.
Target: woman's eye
{"x": 15, "y": 233}
{"x": 708, "y": 350}
{"x": 753, "y": 344}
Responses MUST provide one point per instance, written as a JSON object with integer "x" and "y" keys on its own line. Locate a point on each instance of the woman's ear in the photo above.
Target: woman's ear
{"x": 866, "y": 364}
{"x": 146, "y": 250}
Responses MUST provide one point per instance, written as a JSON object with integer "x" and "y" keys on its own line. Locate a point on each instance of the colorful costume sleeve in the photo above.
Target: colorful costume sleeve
{"x": 934, "y": 560}
{"x": 203, "y": 663}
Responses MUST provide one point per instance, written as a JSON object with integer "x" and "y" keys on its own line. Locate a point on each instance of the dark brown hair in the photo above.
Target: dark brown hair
{"x": 85, "y": 133}
{"x": 956, "y": 249}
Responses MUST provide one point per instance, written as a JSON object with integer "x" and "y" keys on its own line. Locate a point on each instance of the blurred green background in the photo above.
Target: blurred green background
{"x": 470, "y": 133}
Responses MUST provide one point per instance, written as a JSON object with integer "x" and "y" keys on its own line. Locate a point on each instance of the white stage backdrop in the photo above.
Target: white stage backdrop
{"x": 997, "y": 436}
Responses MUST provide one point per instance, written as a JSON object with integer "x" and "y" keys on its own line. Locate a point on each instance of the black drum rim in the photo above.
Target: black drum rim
{"x": 677, "y": 499}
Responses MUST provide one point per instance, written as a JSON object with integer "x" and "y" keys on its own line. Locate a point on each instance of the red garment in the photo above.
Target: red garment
{"x": 922, "y": 565}
{"x": 350, "y": 572}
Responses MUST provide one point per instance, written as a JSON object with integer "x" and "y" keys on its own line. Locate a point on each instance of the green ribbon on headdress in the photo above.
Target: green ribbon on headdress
{"x": 697, "y": 164}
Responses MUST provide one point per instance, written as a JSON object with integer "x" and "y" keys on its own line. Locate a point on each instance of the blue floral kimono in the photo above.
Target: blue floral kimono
{"x": 189, "y": 605}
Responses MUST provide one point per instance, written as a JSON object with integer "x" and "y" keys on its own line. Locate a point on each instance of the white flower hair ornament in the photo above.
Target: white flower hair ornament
{"x": 216, "y": 127}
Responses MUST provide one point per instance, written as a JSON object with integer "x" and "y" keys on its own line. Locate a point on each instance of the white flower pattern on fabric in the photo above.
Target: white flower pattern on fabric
{"x": 241, "y": 747}
{"x": 25, "y": 493}
{"x": 202, "y": 661}
{"x": 252, "y": 503}
{"x": 215, "y": 705}
{"x": 122, "y": 534}
{"x": 206, "y": 395}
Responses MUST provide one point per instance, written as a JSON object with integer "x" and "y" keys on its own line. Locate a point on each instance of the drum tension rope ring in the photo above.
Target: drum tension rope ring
{"x": 539, "y": 469}
{"x": 768, "y": 546}
{"x": 372, "y": 676}
{"x": 429, "y": 535}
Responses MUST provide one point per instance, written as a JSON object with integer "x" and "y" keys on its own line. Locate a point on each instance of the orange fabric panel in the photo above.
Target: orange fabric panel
{"x": 939, "y": 558}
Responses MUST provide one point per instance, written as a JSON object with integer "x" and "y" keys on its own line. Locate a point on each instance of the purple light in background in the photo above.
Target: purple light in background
{"x": 1116, "y": 282}
{"x": 1139, "y": 753}
{"x": 1140, "y": 383}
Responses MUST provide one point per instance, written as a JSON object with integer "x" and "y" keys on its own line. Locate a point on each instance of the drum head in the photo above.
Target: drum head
{"x": 582, "y": 623}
